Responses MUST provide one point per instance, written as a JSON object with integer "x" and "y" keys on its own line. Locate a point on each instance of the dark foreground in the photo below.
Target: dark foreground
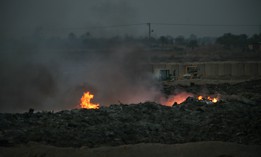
{"x": 234, "y": 120}
{"x": 198, "y": 149}
{"x": 131, "y": 124}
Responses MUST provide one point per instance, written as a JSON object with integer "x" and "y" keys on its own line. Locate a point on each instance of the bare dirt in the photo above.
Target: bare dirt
{"x": 199, "y": 149}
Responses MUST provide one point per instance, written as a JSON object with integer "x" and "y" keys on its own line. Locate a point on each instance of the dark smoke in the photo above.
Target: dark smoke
{"x": 34, "y": 76}
{"x": 42, "y": 69}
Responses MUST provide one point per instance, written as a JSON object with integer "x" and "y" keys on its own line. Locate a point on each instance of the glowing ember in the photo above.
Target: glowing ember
{"x": 214, "y": 100}
{"x": 86, "y": 101}
{"x": 200, "y": 97}
{"x": 178, "y": 98}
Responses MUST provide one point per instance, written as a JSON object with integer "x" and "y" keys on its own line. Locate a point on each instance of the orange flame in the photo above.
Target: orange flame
{"x": 200, "y": 97}
{"x": 214, "y": 100}
{"x": 178, "y": 98}
{"x": 86, "y": 101}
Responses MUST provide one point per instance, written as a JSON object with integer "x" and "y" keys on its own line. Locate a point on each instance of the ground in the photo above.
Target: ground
{"x": 146, "y": 128}
{"x": 202, "y": 149}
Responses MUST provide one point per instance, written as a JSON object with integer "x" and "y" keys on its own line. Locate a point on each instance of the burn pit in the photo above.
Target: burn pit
{"x": 86, "y": 101}
{"x": 230, "y": 119}
{"x": 208, "y": 100}
{"x": 181, "y": 98}
{"x": 202, "y": 100}
{"x": 178, "y": 99}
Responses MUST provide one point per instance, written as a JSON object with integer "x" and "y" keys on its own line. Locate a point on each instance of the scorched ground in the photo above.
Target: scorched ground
{"x": 236, "y": 119}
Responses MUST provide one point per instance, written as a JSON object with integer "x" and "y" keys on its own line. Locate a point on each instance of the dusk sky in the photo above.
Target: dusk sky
{"x": 58, "y": 17}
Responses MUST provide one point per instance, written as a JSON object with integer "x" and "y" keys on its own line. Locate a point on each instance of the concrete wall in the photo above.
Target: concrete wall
{"x": 211, "y": 70}
{"x": 238, "y": 70}
{"x": 224, "y": 70}
{"x": 251, "y": 69}
{"x": 215, "y": 70}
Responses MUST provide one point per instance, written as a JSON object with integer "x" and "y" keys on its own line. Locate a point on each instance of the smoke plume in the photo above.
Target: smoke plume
{"x": 43, "y": 69}
{"x": 50, "y": 79}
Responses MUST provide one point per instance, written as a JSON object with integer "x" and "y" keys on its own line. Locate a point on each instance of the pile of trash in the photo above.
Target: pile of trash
{"x": 149, "y": 122}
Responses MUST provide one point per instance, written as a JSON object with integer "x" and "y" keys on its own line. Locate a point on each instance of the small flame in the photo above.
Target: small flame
{"x": 200, "y": 97}
{"x": 86, "y": 101}
{"x": 214, "y": 100}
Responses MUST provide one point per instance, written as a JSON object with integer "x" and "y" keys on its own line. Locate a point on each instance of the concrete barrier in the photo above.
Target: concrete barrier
{"x": 224, "y": 70}
{"x": 215, "y": 70}
{"x": 251, "y": 69}
{"x": 237, "y": 70}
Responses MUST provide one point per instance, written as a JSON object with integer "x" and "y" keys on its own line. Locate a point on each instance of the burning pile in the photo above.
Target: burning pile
{"x": 208, "y": 99}
{"x": 86, "y": 101}
{"x": 173, "y": 100}
{"x": 183, "y": 97}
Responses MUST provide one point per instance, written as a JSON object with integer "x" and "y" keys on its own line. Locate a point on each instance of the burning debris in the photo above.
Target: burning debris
{"x": 214, "y": 119}
{"x": 208, "y": 100}
{"x": 175, "y": 99}
{"x": 172, "y": 100}
{"x": 86, "y": 101}
{"x": 183, "y": 97}
{"x": 137, "y": 123}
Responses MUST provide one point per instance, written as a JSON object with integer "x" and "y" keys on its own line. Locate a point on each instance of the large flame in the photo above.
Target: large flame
{"x": 86, "y": 101}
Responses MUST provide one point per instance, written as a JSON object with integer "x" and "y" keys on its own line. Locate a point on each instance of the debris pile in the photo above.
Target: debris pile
{"x": 236, "y": 119}
{"x": 137, "y": 123}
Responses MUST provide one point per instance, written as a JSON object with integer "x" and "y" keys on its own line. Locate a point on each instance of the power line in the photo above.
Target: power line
{"x": 97, "y": 27}
{"x": 150, "y": 26}
{"x": 212, "y": 25}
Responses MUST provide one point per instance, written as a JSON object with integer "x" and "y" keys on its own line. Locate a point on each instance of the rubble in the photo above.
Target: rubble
{"x": 128, "y": 124}
{"x": 229, "y": 121}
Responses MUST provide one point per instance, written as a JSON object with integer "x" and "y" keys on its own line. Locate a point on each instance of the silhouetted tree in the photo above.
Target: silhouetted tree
{"x": 163, "y": 40}
{"x": 166, "y": 40}
{"x": 225, "y": 40}
{"x": 86, "y": 39}
{"x": 72, "y": 36}
{"x": 242, "y": 41}
{"x": 230, "y": 41}
{"x": 192, "y": 44}
{"x": 180, "y": 40}
{"x": 192, "y": 37}
{"x": 86, "y": 36}
{"x": 255, "y": 38}
{"x": 254, "y": 42}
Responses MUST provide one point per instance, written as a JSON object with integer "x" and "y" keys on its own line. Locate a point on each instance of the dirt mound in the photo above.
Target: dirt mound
{"x": 137, "y": 123}
{"x": 235, "y": 119}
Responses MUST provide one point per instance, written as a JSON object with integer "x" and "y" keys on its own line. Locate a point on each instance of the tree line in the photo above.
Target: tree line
{"x": 242, "y": 41}
{"x": 227, "y": 41}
